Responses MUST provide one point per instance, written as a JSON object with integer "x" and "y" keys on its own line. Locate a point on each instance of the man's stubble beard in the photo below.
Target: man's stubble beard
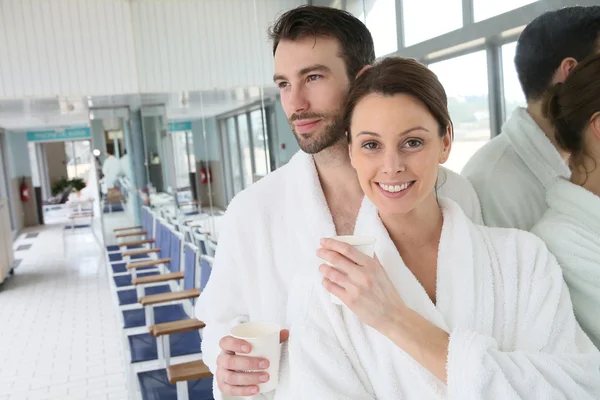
{"x": 332, "y": 134}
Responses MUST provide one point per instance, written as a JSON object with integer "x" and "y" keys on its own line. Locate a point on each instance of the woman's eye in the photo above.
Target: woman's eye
{"x": 413, "y": 143}
{"x": 370, "y": 145}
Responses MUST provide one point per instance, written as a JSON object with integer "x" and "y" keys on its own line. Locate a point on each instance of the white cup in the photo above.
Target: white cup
{"x": 264, "y": 339}
{"x": 364, "y": 244}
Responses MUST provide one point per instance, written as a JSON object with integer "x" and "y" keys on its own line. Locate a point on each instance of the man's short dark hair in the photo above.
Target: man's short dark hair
{"x": 356, "y": 42}
{"x": 549, "y": 39}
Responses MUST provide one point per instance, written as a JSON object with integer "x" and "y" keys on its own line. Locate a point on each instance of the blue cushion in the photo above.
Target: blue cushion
{"x": 129, "y": 296}
{"x": 155, "y": 386}
{"x": 162, "y": 314}
{"x": 125, "y": 280}
{"x": 143, "y": 347}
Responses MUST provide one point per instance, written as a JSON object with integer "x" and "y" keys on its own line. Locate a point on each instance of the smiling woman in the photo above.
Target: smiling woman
{"x": 447, "y": 308}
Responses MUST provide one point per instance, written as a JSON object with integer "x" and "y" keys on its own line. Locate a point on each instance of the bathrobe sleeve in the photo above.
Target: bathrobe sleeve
{"x": 222, "y": 303}
{"x": 548, "y": 356}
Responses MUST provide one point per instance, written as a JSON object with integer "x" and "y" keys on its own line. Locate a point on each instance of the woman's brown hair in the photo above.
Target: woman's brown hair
{"x": 570, "y": 106}
{"x": 397, "y": 75}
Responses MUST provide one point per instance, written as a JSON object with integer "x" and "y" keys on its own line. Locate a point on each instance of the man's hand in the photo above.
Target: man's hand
{"x": 230, "y": 376}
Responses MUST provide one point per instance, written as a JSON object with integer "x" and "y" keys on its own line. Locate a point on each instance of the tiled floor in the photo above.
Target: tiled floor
{"x": 59, "y": 337}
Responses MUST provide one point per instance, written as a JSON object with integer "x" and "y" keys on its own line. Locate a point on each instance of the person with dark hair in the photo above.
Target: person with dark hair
{"x": 513, "y": 171}
{"x": 272, "y": 229}
{"x": 571, "y": 226}
{"x": 447, "y": 308}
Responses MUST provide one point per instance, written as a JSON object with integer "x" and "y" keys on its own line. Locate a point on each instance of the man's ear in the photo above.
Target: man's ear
{"x": 362, "y": 70}
{"x": 564, "y": 69}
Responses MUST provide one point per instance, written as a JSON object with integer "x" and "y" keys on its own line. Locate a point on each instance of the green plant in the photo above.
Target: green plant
{"x": 77, "y": 184}
{"x": 59, "y": 186}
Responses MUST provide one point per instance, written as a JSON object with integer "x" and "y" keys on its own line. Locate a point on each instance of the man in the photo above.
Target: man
{"x": 513, "y": 171}
{"x": 272, "y": 230}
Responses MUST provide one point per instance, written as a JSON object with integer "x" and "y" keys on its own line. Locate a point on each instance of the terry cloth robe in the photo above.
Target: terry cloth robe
{"x": 500, "y": 295}
{"x": 270, "y": 233}
{"x": 512, "y": 173}
{"x": 571, "y": 230}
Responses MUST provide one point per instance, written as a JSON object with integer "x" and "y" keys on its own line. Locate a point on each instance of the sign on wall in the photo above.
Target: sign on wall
{"x": 60, "y": 136}
{"x": 180, "y": 126}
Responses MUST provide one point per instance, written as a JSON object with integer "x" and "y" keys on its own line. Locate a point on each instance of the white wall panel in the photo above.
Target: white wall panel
{"x": 204, "y": 44}
{"x": 102, "y": 47}
{"x": 66, "y": 47}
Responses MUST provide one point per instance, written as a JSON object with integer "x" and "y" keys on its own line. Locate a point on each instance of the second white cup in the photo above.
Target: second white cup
{"x": 364, "y": 244}
{"x": 264, "y": 340}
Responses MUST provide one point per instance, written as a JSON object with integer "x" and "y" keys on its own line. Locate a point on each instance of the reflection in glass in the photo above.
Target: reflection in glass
{"x": 181, "y": 159}
{"x": 513, "y": 94}
{"x": 79, "y": 159}
{"x": 262, "y": 156}
{"x": 421, "y": 24}
{"x": 234, "y": 155}
{"x": 466, "y": 84}
{"x": 245, "y": 150}
{"x": 483, "y": 9}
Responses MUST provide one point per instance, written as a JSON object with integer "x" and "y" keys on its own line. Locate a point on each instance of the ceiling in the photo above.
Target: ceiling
{"x": 60, "y": 112}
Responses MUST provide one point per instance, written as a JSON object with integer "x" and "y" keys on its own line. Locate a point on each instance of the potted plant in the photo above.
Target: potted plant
{"x": 77, "y": 184}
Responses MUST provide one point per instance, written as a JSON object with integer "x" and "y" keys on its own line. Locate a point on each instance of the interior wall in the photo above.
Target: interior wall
{"x": 56, "y": 160}
{"x": 19, "y": 168}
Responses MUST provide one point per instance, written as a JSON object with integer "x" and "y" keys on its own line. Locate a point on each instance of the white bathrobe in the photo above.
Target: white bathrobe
{"x": 512, "y": 173}
{"x": 500, "y": 295}
{"x": 271, "y": 232}
{"x": 571, "y": 230}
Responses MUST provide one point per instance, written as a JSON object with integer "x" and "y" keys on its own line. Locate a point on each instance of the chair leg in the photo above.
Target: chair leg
{"x": 182, "y": 391}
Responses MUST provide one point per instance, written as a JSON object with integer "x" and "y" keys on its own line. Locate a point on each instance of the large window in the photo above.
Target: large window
{"x": 513, "y": 94}
{"x": 426, "y": 19}
{"x": 260, "y": 142}
{"x": 381, "y": 21}
{"x": 484, "y": 9}
{"x": 234, "y": 155}
{"x": 246, "y": 147}
{"x": 466, "y": 83}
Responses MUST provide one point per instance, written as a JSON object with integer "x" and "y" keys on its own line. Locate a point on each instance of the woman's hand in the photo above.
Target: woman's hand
{"x": 362, "y": 284}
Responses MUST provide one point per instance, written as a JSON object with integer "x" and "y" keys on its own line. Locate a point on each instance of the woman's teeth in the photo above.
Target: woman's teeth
{"x": 395, "y": 188}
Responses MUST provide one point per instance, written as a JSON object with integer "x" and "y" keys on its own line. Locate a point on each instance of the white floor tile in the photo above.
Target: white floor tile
{"x": 59, "y": 317}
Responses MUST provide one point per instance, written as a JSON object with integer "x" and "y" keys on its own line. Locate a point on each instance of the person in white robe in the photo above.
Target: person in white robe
{"x": 271, "y": 230}
{"x": 126, "y": 167}
{"x": 447, "y": 308}
{"x": 111, "y": 169}
{"x": 571, "y": 226}
{"x": 513, "y": 172}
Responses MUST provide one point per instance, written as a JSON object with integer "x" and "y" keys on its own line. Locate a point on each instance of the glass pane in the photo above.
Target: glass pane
{"x": 260, "y": 142}
{"x": 513, "y": 93}
{"x": 421, "y": 24}
{"x": 180, "y": 160}
{"x": 245, "y": 148}
{"x": 381, "y": 21}
{"x": 466, "y": 84}
{"x": 83, "y": 157}
{"x": 70, "y": 160}
{"x": 190, "y": 151}
{"x": 483, "y": 9}
{"x": 234, "y": 156}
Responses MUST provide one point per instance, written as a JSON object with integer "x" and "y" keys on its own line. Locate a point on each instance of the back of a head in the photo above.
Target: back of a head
{"x": 570, "y": 106}
{"x": 356, "y": 42}
{"x": 396, "y": 75}
{"x": 549, "y": 39}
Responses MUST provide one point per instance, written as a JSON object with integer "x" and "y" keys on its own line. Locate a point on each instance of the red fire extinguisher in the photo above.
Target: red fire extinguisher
{"x": 24, "y": 189}
{"x": 205, "y": 175}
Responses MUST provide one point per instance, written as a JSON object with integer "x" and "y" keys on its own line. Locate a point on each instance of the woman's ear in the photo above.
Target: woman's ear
{"x": 446, "y": 145}
{"x": 595, "y": 124}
